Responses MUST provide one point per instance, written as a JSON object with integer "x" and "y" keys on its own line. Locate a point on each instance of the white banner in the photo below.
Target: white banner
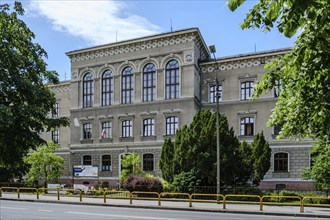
{"x": 88, "y": 171}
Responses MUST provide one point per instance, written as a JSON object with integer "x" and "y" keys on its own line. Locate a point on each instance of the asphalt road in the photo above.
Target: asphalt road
{"x": 10, "y": 210}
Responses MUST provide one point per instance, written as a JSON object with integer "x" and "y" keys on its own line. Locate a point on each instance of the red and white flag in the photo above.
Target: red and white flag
{"x": 104, "y": 133}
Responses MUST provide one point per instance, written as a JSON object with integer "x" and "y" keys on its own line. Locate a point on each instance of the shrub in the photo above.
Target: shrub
{"x": 137, "y": 183}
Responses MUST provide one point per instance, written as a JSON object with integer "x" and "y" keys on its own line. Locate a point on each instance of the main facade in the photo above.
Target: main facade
{"x": 127, "y": 97}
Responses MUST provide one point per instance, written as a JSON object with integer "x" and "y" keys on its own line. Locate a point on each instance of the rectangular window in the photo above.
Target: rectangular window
{"x": 87, "y": 131}
{"x": 281, "y": 162}
{"x": 127, "y": 128}
{"x": 106, "y": 130}
{"x": 247, "y": 126}
{"x": 148, "y": 162}
{"x": 56, "y": 110}
{"x": 87, "y": 160}
{"x": 277, "y": 129}
{"x": 214, "y": 93}
{"x": 172, "y": 124}
{"x": 277, "y": 88}
{"x": 106, "y": 162}
{"x": 149, "y": 127}
{"x": 55, "y": 136}
{"x": 246, "y": 90}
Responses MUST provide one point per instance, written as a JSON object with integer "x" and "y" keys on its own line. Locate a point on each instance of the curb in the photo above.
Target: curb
{"x": 175, "y": 208}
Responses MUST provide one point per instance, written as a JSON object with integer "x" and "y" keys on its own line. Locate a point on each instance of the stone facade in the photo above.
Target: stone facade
{"x": 194, "y": 87}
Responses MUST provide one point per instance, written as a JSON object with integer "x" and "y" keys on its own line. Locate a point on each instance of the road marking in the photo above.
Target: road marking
{"x": 45, "y": 210}
{"x": 15, "y": 208}
{"x": 121, "y": 216}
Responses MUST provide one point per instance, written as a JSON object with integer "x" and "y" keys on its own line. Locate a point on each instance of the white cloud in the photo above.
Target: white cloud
{"x": 95, "y": 21}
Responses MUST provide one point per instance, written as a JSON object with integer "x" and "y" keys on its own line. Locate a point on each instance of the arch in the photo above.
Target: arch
{"x": 167, "y": 58}
{"x": 149, "y": 82}
{"x": 172, "y": 79}
{"x": 146, "y": 61}
{"x": 107, "y": 87}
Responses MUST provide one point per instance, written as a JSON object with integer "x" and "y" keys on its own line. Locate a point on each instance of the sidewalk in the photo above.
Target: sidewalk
{"x": 321, "y": 212}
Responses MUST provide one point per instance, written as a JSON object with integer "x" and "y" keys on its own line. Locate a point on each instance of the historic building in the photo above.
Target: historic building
{"x": 129, "y": 96}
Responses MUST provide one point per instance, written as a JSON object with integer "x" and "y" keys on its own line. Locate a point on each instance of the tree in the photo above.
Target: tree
{"x": 44, "y": 164}
{"x": 131, "y": 165}
{"x": 194, "y": 153}
{"x": 303, "y": 105}
{"x": 261, "y": 154}
{"x": 25, "y": 99}
{"x": 166, "y": 160}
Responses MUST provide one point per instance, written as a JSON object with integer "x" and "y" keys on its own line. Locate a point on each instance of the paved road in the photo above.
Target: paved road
{"x": 23, "y": 210}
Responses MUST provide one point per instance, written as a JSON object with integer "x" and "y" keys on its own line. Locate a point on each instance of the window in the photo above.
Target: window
{"x": 106, "y": 162}
{"x": 246, "y": 90}
{"x": 87, "y": 160}
{"x": 107, "y": 88}
{"x": 88, "y": 90}
{"x": 148, "y": 162}
{"x": 172, "y": 80}
{"x": 149, "y": 83}
{"x": 281, "y": 162}
{"x": 247, "y": 126}
{"x": 172, "y": 125}
{"x": 277, "y": 88}
{"x": 55, "y": 136}
{"x": 87, "y": 131}
{"x": 277, "y": 129}
{"x": 127, "y": 128}
{"x": 55, "y": 112}
{"x": 127, "y": 83}
{"x": 148, "y": 127}
{"x": 106, "y": 130}
{"x": 213, "y": 93}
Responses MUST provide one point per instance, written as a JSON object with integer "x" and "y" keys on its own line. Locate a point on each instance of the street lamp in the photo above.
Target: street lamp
{"x": 213, "y": 50}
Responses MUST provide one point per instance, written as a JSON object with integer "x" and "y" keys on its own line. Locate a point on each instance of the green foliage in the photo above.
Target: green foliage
{"x": 303, "y": 105}
{"x": 25, "y": 99}
{"x": 185, "y": 179}
{"x": 44, "y": 164}
{"x": 194, "y": 150}
{"x": 261, "y": 155}
{"x": 131, "y": 165}
{"x": 320, "y": 171}
{"x": 166, "y": 160}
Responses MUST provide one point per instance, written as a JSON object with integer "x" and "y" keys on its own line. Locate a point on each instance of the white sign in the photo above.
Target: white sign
{"x": 90, "y": 171}
{"x": 55, "y": 186}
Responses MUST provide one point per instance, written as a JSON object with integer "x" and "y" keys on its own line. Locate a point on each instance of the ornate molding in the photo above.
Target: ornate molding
{"x": 133, "y": 47}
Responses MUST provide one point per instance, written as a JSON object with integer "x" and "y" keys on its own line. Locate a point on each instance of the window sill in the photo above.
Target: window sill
{"x": 106, "y": 140}
{"x": 126, "y": 139}
{"x": 86, "y": 141}
{"x": 148, "y": 138}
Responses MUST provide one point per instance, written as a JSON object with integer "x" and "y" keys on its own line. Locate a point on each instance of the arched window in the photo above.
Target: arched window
{"x": 106, "y": 162}
{"x": 172, "y": 79}
{"x": 246, "y": 89}
{"x": 148, "y": 162}
{"x": 88, "y": 90}
{"x": 281, "y": 162}
{"x": 107, "y": 88}
{"x": 149, "y": 82}
{"x": 87, "y": 160}
{"x": 127, "y": 85}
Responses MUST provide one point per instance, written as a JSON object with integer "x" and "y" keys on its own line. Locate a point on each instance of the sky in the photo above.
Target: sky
{"x": 61, "y": 26}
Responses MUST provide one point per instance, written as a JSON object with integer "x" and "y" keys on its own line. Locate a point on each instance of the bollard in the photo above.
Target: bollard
{"x": 80, "y": 195}
{"x": 224, "y": 203}
{"x": 18, "y": 195}
{"x": 158, "y": 199}
{"x": 190, "y": 201}
{"x": 0, "y": 191}
{"x": 302, "y": 206}
{"x": 130, "y": 198}
{"x": 58, "y": 193}
{"x": 37, "y": 193}
{"x": 105, "y": 196}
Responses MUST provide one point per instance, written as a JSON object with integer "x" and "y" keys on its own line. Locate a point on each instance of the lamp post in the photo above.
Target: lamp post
{"x": 213, "y": 50}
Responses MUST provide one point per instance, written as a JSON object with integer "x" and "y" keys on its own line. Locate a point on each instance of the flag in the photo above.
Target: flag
{"x": 104, "y": 133}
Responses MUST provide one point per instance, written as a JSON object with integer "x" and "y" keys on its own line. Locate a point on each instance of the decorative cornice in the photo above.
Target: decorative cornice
{"x": 140, "y": 44}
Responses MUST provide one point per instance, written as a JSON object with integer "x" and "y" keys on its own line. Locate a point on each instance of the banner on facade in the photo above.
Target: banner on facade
{"x": 86, "y": 171}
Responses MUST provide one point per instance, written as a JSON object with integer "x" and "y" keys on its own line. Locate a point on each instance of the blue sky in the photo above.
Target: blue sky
{"x": 65, "y": 25}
